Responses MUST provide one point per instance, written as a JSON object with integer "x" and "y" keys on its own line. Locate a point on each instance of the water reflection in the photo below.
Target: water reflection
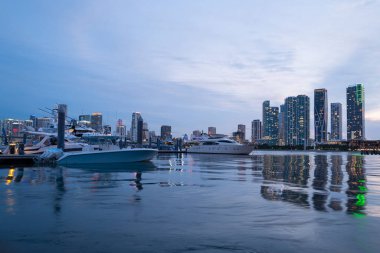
{"x": 287, "y": 178}
{"x": 291, "y": 170}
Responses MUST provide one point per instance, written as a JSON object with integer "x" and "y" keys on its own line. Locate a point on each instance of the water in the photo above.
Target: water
{"x": 269, "y": 202}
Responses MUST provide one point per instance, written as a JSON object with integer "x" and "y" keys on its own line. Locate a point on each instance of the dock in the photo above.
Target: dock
{"x": 13, "y": 160}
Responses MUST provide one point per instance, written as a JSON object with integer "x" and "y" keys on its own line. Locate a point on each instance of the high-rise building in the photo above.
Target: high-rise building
{"x": 137, "y": 128}
{"x": 256, "y": 130}
{"x": 297, "y": 120}
{"x": 355, "y": 112}
{"x": 320, "y": 115}
{"x": 336, "y": 121}
{"x": 303, "y": 120}
{"x": 281, "y": 126}
{"x": 270, "y": 124}
{"x": 145, "y": 131}
{"x": 211, "y": 130}
{"x": 241, "y": 128}
{"x": 166, "y": 132}
{"x": 97, "y": 121}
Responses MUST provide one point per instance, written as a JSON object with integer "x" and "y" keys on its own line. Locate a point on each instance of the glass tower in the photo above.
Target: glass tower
{"x": 320, "y": 115}
{"x": 355, "y": 112}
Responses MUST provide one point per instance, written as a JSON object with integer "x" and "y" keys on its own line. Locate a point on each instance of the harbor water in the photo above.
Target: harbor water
{"x": 266, "y": 202}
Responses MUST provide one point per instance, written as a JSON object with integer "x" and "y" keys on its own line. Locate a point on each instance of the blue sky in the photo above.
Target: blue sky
{"x": 190, "y": 64}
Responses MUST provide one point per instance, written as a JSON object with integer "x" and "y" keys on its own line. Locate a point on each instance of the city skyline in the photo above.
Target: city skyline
{"x": 189, "y": 73}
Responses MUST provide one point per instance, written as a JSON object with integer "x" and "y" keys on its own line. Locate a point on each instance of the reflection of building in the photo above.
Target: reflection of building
{"x": 97, "y": 121}
{"x": 356, "y": 184}
{"x": 211, "y": 130}
{"x": 320, "y": 115}
{"x": 289, "y": 169}
{"x": 336, "y": 122}
{"x": 256, "y": 130}
{"x": 355, "y": 113}
{"x": 270, "y": 124}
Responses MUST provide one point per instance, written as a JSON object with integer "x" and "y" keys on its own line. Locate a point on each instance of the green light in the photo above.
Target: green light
{"x": 361, "y": 181}
{"x": 361, "y": 200}
{"x": 362, "y": 188}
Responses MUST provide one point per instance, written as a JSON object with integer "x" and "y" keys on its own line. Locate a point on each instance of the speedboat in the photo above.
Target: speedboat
{"x": 124, "y": 155}
{"x": 220, "y": 145}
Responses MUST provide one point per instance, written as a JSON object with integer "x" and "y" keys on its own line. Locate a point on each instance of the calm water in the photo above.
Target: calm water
{"x": 269, "y": 202}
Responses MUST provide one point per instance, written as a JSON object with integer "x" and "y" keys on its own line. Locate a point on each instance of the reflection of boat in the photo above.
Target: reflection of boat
{"x": 108, "y": 156}
{"x": 220, "y": 145}
{"x": 115, "y": 167}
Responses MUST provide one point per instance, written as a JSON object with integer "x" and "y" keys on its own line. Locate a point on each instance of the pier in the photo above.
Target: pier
{"x": 26, "y": 160}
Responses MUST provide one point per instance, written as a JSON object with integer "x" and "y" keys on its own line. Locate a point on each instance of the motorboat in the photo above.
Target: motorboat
{"x": 124, "y": 155}
{"x": 220, "y": 145}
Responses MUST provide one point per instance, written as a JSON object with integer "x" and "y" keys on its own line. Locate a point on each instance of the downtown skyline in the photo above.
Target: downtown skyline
{"x": 215, "y": 70}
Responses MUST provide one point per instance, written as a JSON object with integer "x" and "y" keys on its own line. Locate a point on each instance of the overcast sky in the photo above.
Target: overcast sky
{"x": 190, "y": 64}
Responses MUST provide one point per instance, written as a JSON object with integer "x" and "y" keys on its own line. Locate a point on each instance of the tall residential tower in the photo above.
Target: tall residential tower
{"x": 355, "y": 112}
{"x": 336, "y": 122}
{"x": 320, "y": 115}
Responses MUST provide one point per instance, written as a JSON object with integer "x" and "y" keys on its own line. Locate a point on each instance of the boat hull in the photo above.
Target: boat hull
{"x": 104, "y": 157}
{"x": 221, "y": 149}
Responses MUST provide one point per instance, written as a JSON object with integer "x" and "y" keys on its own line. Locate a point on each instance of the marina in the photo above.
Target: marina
{"x": 266, "y": 202}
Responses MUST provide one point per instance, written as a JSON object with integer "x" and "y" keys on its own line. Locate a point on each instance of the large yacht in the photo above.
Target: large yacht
{"x": 220, "y": 145}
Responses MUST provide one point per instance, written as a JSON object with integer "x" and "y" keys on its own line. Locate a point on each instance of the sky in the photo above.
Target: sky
{"x": 190, "y": 64}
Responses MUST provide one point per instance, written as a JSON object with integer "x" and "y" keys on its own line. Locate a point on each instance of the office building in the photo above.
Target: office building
{"x": 320, "y": 115}
{"x": 97, "y": 121}
{"x": 355, "y": 112}
{"x": 166, "y": 132}
{"x": 281, "y": 126}
{"x": 256, "y": 130}
{"x": 137, "y": 128}
{"x": 211, "y": 130}
{"x": 336, "y": 122}
{"x": 241, "y": 129}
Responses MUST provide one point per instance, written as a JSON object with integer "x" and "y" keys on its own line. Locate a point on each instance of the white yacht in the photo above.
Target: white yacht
{"x": 125, "y": 155}
{"x": 220, "y": 145}
{"x": 41, "y": 142}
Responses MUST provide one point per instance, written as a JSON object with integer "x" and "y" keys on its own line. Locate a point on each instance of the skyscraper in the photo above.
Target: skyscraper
{"x": 97, "y": 121}
{"x": 281, "y": 126}
{"x": 297, "y": 120}
{"x": 137, "y": 128}
{"x": 256, "y": 130}
{"x": 320, "y": 115}
{"x": 355, "y": 112}
{"x": 336, "y": 121}
{"x": 211, "y": 130}
{"x": 303, "y": 120}
{"x": 270, "y": 124}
